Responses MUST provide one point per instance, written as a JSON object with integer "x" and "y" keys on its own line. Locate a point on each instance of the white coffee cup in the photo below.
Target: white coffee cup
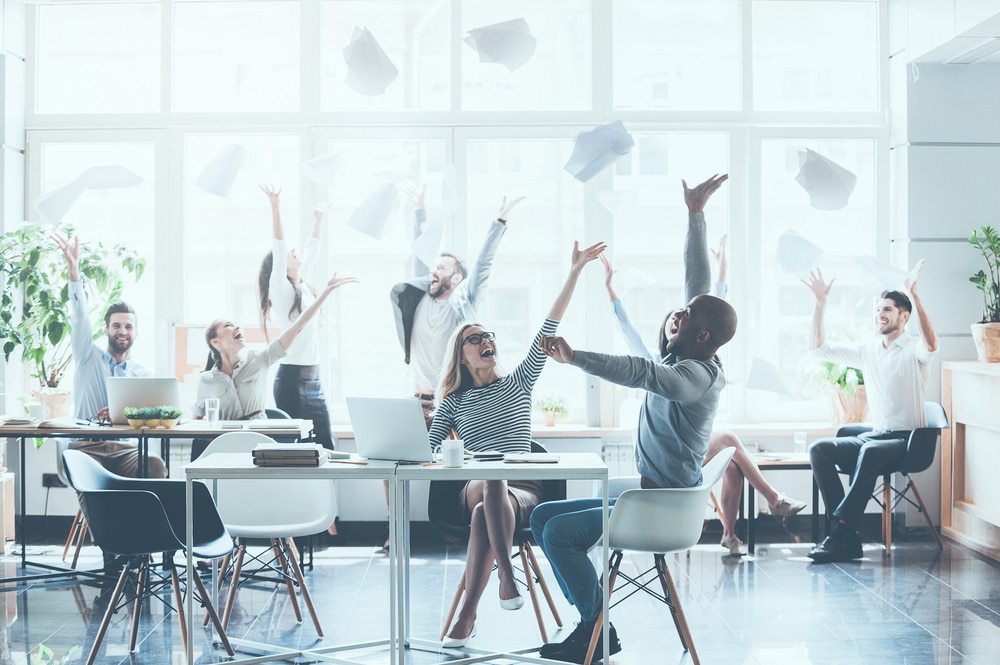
{"x": 212, "y": 410}
{"x": 452, "y": 453}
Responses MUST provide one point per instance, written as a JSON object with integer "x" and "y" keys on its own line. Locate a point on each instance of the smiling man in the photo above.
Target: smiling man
{"x": 896, "y": 368}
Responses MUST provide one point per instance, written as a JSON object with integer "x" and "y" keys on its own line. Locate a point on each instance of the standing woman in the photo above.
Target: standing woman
{"x": 491, "y": 410}
{"x": 284, "y": 295}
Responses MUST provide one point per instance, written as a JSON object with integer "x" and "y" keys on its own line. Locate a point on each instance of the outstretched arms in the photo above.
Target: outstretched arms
{"x": 289, "y": 335}
{"x": 697, "y": 272}
{"x": 581, "y": 257}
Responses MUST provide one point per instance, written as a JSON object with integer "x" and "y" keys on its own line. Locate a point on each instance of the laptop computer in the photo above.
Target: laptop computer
{"x": 389, "y": 428}
{"x": 140, "y": 391}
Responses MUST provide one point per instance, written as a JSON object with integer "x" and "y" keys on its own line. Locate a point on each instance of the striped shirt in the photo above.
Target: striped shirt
{"x": 496, "y": 416}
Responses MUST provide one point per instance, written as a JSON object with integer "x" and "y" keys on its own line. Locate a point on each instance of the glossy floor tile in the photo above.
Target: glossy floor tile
{"x": 922, "y": 606}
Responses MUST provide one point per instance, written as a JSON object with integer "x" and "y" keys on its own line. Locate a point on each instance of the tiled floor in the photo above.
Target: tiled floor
{"x": 922, "y": 606}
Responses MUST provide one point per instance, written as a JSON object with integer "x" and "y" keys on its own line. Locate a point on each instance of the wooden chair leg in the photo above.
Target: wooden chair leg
{"x": 542, "y": 583}
{"x": 103, "y": 629}
{"x": 532, "y": 594}
{"x": 279, "y": 555}
{"x": 303, "y": 589}
{"x": 206, "y": 599}
{"x": 71, "y": 537}
{"x": 140, "y": 587}
{"x": 175, "y": 582}
{"x": 923, "y": 511}
{"x": 674, "y": 602}
{"x": 223, "y": 567}
{"x": 81, "y": 537}
{"x": 616, "y": 562}
{"x": 233, "y": 585}
{"x": 454, "y": 606}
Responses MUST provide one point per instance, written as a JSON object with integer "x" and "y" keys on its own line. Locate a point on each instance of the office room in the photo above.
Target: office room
{"x": 588, "y": 164}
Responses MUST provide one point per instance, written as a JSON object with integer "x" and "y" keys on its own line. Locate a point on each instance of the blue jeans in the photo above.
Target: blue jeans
{"x": 298, "y": 392}
{"x": 566, "y": 530}
{"x": 865, "y": 457}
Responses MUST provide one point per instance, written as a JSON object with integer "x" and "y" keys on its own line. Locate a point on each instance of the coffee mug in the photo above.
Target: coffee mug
{"x": 452, "y": 453}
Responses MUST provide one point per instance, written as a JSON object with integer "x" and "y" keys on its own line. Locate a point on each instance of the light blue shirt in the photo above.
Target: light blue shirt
{"x": 93, "y": 364}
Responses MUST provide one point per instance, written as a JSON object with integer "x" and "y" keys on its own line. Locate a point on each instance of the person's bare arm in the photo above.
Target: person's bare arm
{"x": 926, "y": 328}
{"x": 274, "y": 196}
{"x": 288, "y": 337}
{"x": 581, "y": 257}
{"x": 820, "y": 290}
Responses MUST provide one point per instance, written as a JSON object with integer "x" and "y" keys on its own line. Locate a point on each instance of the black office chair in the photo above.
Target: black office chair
{"x": 920, "y": 449}
{"x": 138, "y": 517}
{"x": 445, "y": 513}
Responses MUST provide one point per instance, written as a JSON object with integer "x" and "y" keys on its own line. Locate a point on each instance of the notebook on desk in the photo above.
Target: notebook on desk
{"x": 389, "y": 429}
{"x": 262, "y": 423}
{"x": 140, "y": 391}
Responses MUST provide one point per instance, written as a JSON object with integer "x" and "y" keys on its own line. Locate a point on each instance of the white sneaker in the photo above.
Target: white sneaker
{"x": 733, "y": 544}
{"x": 787, "y": 507}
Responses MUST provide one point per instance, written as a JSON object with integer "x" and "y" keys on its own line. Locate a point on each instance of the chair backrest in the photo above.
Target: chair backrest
{"x": 84, "y": 473}
{"x": 922, "y": 444}
{"x": 664, "y": 520}
{"x": 271, "y": 508}
{"x": 275, "y": 412}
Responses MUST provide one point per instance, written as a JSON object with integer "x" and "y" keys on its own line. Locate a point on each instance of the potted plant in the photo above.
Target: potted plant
{"x": 150, "y": 414}
{"x": 552, "y": 406}
{"x": 986, "y": 333}
{"x": 169, "y": 415}
{"x": 846, "y": 387}
{"x": 133, "y": 416}
{"x": 34, "y": 301}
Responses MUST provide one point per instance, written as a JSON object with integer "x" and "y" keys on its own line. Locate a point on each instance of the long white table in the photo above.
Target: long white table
{"x": 571, "y": 466}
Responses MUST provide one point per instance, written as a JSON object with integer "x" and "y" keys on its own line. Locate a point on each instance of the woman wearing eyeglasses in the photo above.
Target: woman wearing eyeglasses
{"x": 491, "y": 410}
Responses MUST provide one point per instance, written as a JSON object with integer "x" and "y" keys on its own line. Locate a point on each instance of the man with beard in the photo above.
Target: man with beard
{"x": 94, "y": 365}
{"x": 896, "y": 367}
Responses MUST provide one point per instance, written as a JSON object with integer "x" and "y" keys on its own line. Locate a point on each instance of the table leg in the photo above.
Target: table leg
{"x": 751, "y": 520}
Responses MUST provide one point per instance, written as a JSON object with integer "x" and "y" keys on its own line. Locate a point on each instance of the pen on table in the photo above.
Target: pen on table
{"x": 348, "y": 461}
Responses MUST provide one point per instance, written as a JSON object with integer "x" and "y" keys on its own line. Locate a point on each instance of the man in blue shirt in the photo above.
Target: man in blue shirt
{"x": 95, "y": 364}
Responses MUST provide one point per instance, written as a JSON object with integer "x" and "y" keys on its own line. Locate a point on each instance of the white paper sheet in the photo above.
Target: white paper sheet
{"x": 887, "y": 276}
{"x": 372, "y": 214}
{"x": 54, "y": 205}
{"x": 369, "y": 69}
{"x": 617, "y": 202}
{"x": 598, "y": 148}
{"x": 426, "y": 246}
{"x": 322, "y": 170}
{"x": 796, "y": 254}
{"x": 220, "y": 174}
{"x": 509, "y": 43}
{"x": 765, "y": 376}
{"x": 828, "y": 184}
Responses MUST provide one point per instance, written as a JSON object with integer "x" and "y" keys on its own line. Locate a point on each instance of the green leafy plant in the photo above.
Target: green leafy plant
{"x": 170, "y": 412}
{"x": 148, "y": 413}
{"x": 842, "y": 377}
{"x": 988, "y": 281}
{"x": 34, "y": 303}
{"x": 131, "y": 413}
{"x": 43, "y": 655}
{"x": 552, "y": 404}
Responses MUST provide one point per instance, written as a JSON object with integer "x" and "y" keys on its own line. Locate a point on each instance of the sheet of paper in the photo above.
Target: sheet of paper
{"x": 765, "y": 376}
{"x": 510, "y": 43}
{"x": 887, "y": 276}
{"x": 828, "y": 184}
{"x": 369, "y": 69}
{"x": 598, "y": 148}
{"x": 322, "y": 170}
{"x": 426, "y": 246}
{"x": 796, "y": 254}
{"x": 372, "y": 214}
{"x": 54, "y": 205}
{"x": 220, "y": 174}
{"x": 617, "y": 202}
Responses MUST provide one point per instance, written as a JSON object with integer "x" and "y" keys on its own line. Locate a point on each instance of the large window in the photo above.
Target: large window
{"x": 253, "y": 90}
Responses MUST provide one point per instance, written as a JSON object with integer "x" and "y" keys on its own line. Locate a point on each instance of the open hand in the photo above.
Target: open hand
{"x": 506, "y": 206}
{"x": 816, "y": 284}
{"x": 582, "y": 257}
{"x": 911, "y": 280}
{"x": 273, "y": 195}
{"x": 339, "y": 281}
{"x": 697, "y": 197}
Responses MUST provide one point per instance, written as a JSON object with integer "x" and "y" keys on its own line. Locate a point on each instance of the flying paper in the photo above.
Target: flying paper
{"x": 616, "y": 202}
{"x": 220, "y": 174}
{"x": 369, "y": 69}
{"x": 428, "y": 240}
{"x": 765, "y": 376}
{"x": 321, "y": 170}
{"x": 828, "y": 184}
{"x": 370, "y": 217}
{"x": 54, "y": 205}
{"x": 887, "y": 276}
{"x": 796, "y": 254}
{"x": 597, "y": 149}
{"x": 509, "y": 43}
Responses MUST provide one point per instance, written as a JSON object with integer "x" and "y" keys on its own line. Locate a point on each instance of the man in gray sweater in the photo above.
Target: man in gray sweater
{"x": 682, "y": 396}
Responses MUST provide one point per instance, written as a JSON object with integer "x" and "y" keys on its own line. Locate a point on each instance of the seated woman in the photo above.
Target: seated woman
{"x": 236, "y": 375}
{"x": 491, "y": 410}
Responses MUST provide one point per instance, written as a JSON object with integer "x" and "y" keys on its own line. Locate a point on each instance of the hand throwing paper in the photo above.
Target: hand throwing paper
{"x": 54, "y": 205}
{"x": 369, "y": 69}
{"x": 220, "y": 174}
{"x": 828, "y": 184}
{"x": 598, "y": 148}
{"x": 509, "y": 43}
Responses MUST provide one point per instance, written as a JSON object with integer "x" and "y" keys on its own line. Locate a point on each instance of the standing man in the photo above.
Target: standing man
{"x": 896, "y": 367}
{"x": 675, "y": 423}
{"x": 95, "y": 364}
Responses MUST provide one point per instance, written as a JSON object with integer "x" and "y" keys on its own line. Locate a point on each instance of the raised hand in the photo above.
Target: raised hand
{"x": 70, "y": 250}
{"x": 339, "y": 281}
{"x": 273, "y": 195}
{"x": 697, "y": 197}
{"x": 582, "y": 257}
{"x": 816, "y": 284}
{"x": 720, "y": 257}
{"x": 556, "y": 348}
{"x": 609, "y": 276}
{"x": 506, "y": 206}
{"x": 911, "y": 280}
{"x": 416, "y": 194}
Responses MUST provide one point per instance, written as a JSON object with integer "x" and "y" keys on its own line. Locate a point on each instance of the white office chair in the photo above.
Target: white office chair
{"x": 274, "y": 509}
{"x": 678, "y": 514}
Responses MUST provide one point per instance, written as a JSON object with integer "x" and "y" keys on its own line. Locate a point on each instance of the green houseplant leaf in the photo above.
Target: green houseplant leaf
{"x": 988, "y": 281}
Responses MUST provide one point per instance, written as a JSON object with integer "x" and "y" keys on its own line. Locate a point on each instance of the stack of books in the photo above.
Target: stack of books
{"x": 289, "y": 454}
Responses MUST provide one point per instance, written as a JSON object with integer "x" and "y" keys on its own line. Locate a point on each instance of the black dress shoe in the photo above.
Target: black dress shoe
{"x": 836, "y": 549}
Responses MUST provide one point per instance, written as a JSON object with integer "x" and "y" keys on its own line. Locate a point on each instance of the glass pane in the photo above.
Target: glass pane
{"x": 677, "y": 55}
{"x": 799, "y": 68}
{"x": 416, "y": 37}
{"x": 651, "y": 223}
{"x": 114, "y": 216}
{"x": 82, "y": 64}
{"x": 533, "y": 261}
{"x": 251, "y": 65}
{"x": 786, "y": 305}
{"x": 558, "y": 75}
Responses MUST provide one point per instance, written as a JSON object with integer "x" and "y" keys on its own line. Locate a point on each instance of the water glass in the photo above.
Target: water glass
{"x": 799, "y": 442}
{"x": 212, "y": 410}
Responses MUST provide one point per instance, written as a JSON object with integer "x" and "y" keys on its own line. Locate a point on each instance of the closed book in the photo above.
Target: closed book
{"x": 306, "y": 451}
{"x": 263, "y": 461}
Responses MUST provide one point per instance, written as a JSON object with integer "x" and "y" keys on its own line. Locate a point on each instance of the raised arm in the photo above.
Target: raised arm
{"x": 475, "y": 283}
{"x": 310, "y": 257}
{"x": 288, "y": 337}
{"x": 81, "y": 335}
{"x": 697, "y": 272}
{"x": 926, "y": 328}
{"x": 580, "y": 259}
{"x": 632, "y": 338}
{"x": 419, "y": 217}
{"x": 720, "y": 289}
{"x": 820, "y": 290}
{"x": 274, "y": 196}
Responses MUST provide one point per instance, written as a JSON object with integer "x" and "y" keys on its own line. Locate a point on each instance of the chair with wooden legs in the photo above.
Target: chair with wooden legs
{"x": 678, "y": 514}
{"x": 78, "y": 529}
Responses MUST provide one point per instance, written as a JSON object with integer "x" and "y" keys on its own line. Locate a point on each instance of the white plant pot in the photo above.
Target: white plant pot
{"x": 987, "y": 339}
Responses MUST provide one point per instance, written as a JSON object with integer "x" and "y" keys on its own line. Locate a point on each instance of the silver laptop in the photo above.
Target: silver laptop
{"x": 140, "y": 391}
{"x": 389, "y": 428}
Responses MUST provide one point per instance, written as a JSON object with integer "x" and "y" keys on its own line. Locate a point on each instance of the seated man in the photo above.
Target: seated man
{"x": 675, "y": 423}
{"x": 896, "y": 367}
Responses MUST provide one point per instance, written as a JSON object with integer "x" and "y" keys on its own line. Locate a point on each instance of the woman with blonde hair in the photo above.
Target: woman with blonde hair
{"x": 491, "y": 410}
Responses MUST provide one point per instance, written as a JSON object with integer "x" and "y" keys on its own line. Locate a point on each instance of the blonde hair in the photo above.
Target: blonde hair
{"x": 456, "y": 378}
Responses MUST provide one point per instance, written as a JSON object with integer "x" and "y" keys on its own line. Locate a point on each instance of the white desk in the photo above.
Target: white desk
{"x": 571, "y": 466}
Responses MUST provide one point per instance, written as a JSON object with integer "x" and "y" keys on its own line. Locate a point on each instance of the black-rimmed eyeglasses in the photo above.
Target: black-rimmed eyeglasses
{"x": 477, "y": 338}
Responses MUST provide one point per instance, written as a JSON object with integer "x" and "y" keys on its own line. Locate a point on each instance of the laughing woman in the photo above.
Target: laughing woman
{"x": 491, "y": 410}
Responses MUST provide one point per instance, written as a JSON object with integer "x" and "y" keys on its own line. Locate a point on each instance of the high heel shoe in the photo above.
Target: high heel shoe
{"x": 515, "y": 603}
{"x": 458, "y": 642}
